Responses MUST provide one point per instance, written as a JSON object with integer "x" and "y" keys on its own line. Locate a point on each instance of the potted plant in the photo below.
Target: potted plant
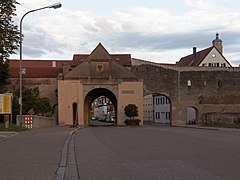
{"x": 131, "y": 111}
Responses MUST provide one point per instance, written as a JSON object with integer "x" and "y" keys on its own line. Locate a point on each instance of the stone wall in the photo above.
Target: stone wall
{"x": 221, "y": 118}
{"x": 192, "y": 87}
{"x": 37, "y": 121}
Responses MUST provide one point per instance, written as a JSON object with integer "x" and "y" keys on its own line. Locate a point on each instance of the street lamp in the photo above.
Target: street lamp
{"x": 54, "y": 6}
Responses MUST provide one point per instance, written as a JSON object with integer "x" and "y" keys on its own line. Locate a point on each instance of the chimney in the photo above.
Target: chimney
{"x": 194, "y": 53}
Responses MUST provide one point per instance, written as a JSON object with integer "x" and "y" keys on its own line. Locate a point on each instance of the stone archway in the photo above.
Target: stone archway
{"x": 98, "y": 75}
{"x": 162, "y": 109}
{"x": 191, "y": 115}
{"x": 94, "y": 94}
{"x": 157, "y": 109}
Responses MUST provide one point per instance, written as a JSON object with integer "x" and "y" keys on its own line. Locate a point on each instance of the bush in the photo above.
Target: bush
{"x": 131, "y": 111}
{"x": 32, "y": 102}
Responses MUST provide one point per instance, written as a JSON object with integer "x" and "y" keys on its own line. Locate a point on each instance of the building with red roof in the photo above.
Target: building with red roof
{"x": 211, "y": 56}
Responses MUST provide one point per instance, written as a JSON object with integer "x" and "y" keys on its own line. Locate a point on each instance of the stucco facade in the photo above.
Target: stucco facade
{"x": 98, "y": 76}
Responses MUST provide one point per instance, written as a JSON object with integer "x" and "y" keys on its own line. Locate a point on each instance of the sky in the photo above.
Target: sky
{"x": 154, "y": 30}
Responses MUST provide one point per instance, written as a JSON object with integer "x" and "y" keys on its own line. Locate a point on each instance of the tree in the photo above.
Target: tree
{"x": 32, "y": 103}
{"x": 9, "y": 37}
{"x": 131, "y": 111}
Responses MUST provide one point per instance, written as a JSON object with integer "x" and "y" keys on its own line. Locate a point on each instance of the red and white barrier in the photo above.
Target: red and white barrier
{"x": 28, "y": 122}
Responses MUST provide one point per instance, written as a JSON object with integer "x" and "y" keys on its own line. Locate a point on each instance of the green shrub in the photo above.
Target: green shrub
{"x": 131, "y": 111}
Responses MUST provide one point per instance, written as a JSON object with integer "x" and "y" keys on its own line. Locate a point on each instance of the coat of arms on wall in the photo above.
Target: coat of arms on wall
{"x": 99, "y": 68}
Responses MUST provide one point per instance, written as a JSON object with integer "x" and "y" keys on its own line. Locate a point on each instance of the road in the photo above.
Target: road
{"x": 31, "y": 155}
{"x": 4, "y": 135}
{"x": 104, "y": 153}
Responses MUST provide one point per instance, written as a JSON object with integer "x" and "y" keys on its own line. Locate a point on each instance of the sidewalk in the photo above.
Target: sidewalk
{"x": 33, "y": 154}
{"x": 198, "y": 127}
{"x": 212, "y": 128}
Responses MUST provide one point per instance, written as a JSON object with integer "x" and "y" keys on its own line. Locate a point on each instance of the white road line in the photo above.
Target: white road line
{"x": 3, "y": 136}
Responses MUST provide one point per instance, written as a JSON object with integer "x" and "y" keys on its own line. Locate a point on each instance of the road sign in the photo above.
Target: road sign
{"x": 5, "y": 103}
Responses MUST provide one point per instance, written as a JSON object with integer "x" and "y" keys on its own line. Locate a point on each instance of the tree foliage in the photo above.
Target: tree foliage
{"x": 131, "y": 111}
{"x": 32, "y": 103}
{"x": 9, "y": 37}
{"x": 3, "y": 74}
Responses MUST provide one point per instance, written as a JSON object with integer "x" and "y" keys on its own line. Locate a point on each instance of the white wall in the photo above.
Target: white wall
{"x": 148, "y": 108}
{"x": 162, "y": 109}
{"x": 214, "y": 57}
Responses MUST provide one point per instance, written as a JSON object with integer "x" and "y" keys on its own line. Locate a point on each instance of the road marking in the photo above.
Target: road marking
{"x": 3, "y": 136}
{"x": 8, "y": 137}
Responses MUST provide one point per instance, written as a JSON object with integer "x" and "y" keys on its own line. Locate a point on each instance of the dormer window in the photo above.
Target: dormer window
{"x": 54, "y": 63}
{"x": 216, "y": 64}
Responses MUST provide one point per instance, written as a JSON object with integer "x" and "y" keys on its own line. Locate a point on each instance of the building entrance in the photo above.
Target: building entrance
{"x": 100, "y": 106}
{"x": 98, "y": 80}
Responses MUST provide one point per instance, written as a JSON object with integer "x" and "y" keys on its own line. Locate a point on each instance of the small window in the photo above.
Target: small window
{"x": 167, "y": 101}
{"x": 219, "y": 83}
{"x": 216, "y": 64}
{"x": 210, "y": 64}
{"x": 205, "y": 83}
{"x": 223, "y": 64}
{"x": 167, "y": 115}
{"x": 163, "y": 100}
{"x": 189, "y": 83}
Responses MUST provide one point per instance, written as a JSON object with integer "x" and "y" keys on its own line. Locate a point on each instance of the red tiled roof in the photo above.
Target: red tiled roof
{"x": 37, "y": 63}
{"x": 79, "y": 58}
{"x": 123, "y": 59}
{"x": 36, "y": 68}
{"x": 190, "y": 60}
{"x": 36, "y": 72}
{"x": 45, "y": 69}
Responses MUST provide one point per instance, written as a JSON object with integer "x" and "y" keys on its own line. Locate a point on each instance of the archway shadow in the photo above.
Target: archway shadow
{"x": 90, "y": 98}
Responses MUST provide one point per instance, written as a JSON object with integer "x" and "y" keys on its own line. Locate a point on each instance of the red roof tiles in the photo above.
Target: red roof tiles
{"x": 194, "y": 60}
{"x": 123, "y": 59}
{"x": 37, "y": 68}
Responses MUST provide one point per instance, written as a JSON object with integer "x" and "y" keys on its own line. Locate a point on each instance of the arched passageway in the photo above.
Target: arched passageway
{"x": 191, "y": 115}
{"x": 106, "y": 103}
{"x": 157, "y": 109}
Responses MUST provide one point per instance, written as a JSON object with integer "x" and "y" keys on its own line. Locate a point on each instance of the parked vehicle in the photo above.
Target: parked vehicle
{"x": 93, "y": 118}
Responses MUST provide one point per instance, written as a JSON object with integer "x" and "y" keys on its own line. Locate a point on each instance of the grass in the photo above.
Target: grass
{"x": 12, "y": 128}
{"x": 225, "y": 125}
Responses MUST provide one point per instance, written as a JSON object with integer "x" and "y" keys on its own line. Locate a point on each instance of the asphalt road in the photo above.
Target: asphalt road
{"x": 4, "y": 135}
{"x": 32, "y": 155}
{"x": 150, "y": 153}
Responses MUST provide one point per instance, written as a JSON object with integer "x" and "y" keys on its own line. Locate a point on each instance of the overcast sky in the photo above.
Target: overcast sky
{"x": 154, "y": 30}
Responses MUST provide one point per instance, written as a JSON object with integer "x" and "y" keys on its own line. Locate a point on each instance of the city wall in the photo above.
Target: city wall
{"x": 208, "y": 90}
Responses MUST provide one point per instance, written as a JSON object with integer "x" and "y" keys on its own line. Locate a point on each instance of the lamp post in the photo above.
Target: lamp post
{"x": 54, "y": 6}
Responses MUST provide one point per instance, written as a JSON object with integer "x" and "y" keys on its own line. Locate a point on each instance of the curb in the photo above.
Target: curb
{"x": 213, "y": 128}
{"x": 60, "y": 174}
